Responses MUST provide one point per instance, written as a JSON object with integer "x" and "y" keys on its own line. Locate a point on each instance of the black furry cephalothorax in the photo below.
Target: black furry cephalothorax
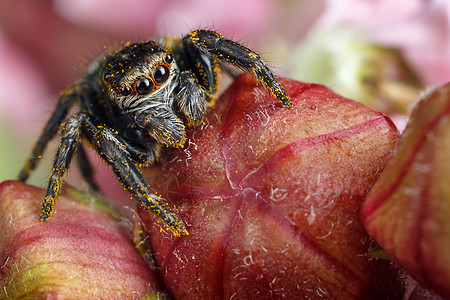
{"x": 134, "y": 102}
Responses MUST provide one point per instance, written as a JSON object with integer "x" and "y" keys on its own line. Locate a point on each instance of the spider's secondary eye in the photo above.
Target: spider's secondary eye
{"x": 126, "y": 90}
{"x": 169, "y": 58}
{"x": 107, "y": 76}
{"x": 144, "y": 86}
{"x": 161, "y": 74}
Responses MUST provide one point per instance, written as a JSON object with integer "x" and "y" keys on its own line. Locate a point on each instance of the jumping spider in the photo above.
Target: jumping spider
{"x": 134, "y": 102}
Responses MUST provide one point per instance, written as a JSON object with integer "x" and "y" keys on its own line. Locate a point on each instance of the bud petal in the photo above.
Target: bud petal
{"x": 408, "y": 209}
{"x": 83, "y": 252}
{"x": 272, "y": 196}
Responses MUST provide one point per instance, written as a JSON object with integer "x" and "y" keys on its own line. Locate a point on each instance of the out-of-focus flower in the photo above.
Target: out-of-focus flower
{"x": 380, "y": 52}
{"x": 408, "y": 209}
{"x": 271, "y": 198}
{"x": 83, "y": 252}
{"x": 418, "y": 28}
{"x": 342, "y": 58}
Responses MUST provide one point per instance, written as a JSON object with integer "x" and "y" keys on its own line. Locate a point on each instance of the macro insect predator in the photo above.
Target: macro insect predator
{"x": 135, "y": 102}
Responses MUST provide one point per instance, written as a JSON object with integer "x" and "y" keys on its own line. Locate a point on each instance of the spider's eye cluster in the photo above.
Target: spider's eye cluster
{"x": 126, "y": 90}
{"x": 145, "y": 83}
{"x": 161, "y": 73}
{"x": 144, "y": 86}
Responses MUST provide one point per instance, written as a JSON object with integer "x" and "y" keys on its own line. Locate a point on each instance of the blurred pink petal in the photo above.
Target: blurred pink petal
{"x": 168, "y": 17}
{"x": 21, "y": 87}
{"x": 253, "y": 17}
{"x": 361, "y": 13}
{"x": 138, "y": 16}
{"x": 399, "y": 121}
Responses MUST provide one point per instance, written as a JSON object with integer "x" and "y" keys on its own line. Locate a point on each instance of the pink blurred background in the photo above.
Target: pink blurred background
{"x": 46, "y": 44}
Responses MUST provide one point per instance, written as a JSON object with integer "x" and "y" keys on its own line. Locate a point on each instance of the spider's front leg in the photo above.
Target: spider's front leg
{"x": 86, "y": 168}
{"x": 213, "y": 44}
{"x": 70, "y": 138}
{"x": 122, "y": 157}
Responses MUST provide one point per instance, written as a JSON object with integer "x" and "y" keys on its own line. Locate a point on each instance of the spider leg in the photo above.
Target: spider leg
{"x": 65, "y": 102}
{"x": 229, "y": 70}
{"x": 212, "y": 43}
{"x": 118, "y": 155}
{"x": 143, "y": 157}
{"x": 70, "y": 138}
{"x": 115, "y": 152}
{"x": 86, "y": 168}
{"x": 205, "y": 67}
{"x": 192, "y": 98}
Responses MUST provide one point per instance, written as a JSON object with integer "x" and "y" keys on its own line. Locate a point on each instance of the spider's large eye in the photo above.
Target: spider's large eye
{"x": 161, "y": 74}
{"x": 126, "y": 90}
{"x": 107, "y": 76}
{"x": 144, "y": 86}
{"x": 169, "y": 58}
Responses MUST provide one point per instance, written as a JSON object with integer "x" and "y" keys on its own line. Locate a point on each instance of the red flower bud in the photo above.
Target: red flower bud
{"x": 408, "y": 209}
{"x": 271, "y": 198}
{"x": 83, "y": 252}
